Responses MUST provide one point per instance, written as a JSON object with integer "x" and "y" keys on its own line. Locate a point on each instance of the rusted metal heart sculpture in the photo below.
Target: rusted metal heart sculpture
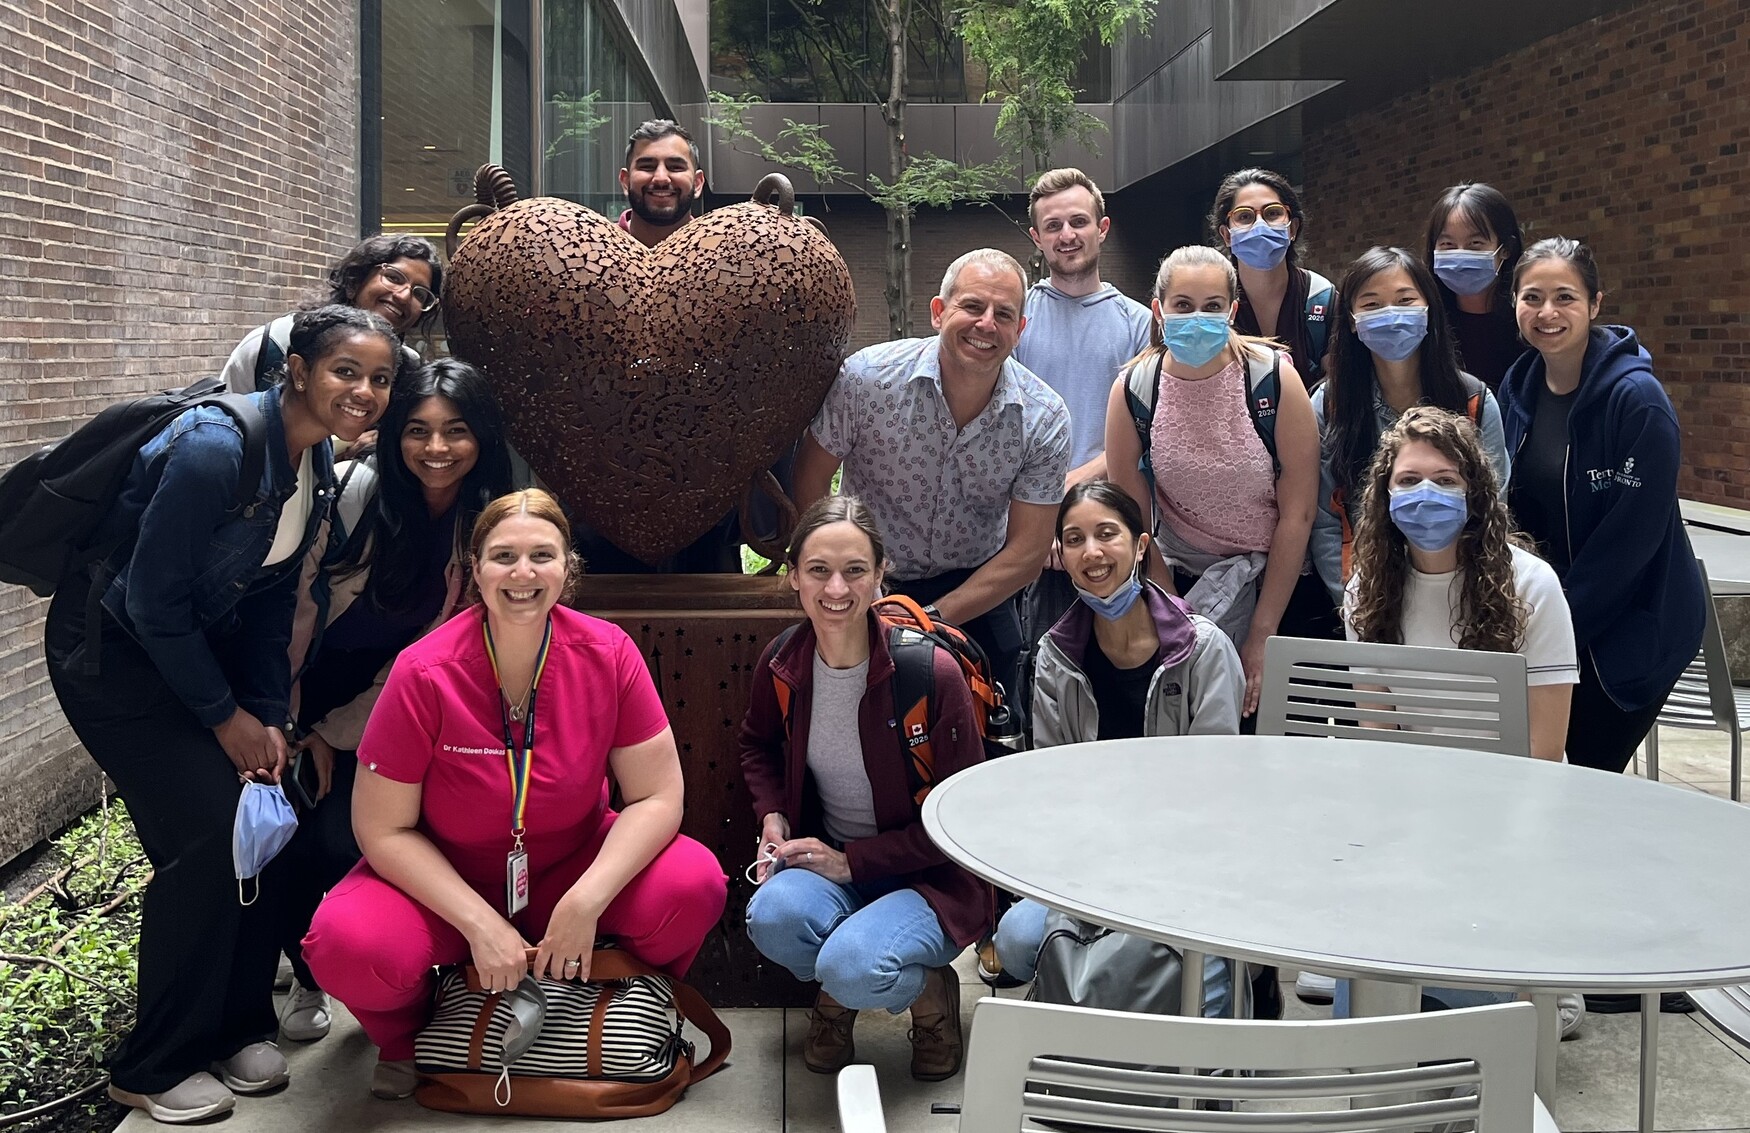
{"x": 650, "y": 386}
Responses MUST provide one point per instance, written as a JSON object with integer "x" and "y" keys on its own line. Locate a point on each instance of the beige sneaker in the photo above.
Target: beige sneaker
{"x": 256, "y": 1069}
{"x": 195, "y": 1098}
{"x": 393, "y": 1080}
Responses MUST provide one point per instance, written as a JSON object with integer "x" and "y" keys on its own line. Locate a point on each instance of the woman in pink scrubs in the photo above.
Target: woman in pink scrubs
{"x": 481, "y": 804}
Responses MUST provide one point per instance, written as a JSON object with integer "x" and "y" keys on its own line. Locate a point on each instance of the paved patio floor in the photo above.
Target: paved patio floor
{"x": 1704, "y": 1077}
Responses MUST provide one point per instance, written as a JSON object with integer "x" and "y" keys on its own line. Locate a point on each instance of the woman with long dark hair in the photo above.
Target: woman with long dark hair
{"x": 1256, "y": 220}
{"x": 182, "y": 689}
{"x": 394, "y": 276}
{"x": 1474, "y": 243}
{"x": 1391, "y": 350}
{"x": 1596, "y": 453}
{"x": 404, "y": 514}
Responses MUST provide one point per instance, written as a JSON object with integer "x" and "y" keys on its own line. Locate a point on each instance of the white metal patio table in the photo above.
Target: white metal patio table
{"x": 1395, "y": 865}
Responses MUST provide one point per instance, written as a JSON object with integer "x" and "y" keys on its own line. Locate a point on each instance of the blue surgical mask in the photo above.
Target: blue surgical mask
{"x": 1466, "y": 272}
{"x": 1195, "y": 338}
{"x": 1392, "y": 333}
{"x": 1431, "y": 516}
{"x": 1116, "y": 604}
{"x": 1261, "y": 246}
{"x": 265, "y": 823}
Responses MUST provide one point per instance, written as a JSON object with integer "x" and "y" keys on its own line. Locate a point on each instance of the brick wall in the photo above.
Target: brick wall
{"x": 1631, "y": 132}
{"x": 939, "y": 236}
{"x": 172, "y": 173}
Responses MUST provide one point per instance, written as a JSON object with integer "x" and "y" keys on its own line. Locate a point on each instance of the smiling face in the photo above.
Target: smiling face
{"x": 1069, "y": 233}
{"x": 1552, "y": 308}
{"x": 521, "y": 569}
{"x": 347, "y": 387}
{"x": 390, "y": 293}
{"x": 836, "y": 576}
{"x": 439, "y": 448}
{"x": 1099, "y": 551}
{"x": 981, "y": 322}
{"x": 661, "y": 181}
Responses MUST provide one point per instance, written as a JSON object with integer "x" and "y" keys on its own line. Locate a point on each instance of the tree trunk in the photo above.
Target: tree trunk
{"x": 898, "y": 217}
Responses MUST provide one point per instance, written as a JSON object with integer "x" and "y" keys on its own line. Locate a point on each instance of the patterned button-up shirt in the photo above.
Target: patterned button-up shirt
{"x": 940, "y": 493}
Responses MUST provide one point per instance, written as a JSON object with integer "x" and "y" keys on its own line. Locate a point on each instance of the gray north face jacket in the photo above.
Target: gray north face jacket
{"x": 1197, "y": 690}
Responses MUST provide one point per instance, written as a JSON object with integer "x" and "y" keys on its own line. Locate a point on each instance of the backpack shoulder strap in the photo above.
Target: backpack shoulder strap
{"x": 784, "y": 692}
{"x": 247, "y": 414}
{"x": 1473, "y": 401}
{"x": 1263, "y": 395}
{"x": 1316, "y": 315}
{"x": 1142, "y": 389}
{"x": 271, "y": 353}
{"x": 914, "y": 705}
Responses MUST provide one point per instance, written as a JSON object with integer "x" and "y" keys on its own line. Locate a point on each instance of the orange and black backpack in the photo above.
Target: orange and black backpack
{"x": 913, "y": 637}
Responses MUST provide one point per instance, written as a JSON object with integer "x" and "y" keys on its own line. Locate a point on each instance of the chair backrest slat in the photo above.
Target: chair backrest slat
{"x": 1446, "y": 697}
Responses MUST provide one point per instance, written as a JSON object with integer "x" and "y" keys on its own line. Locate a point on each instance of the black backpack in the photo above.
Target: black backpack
{"x": 53, "y": 501}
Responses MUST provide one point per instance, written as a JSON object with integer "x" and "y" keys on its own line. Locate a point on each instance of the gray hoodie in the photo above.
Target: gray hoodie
{"x": 1197, "y": 690}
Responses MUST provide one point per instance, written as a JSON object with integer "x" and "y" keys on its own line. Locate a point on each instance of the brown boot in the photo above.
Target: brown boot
{"x": 830, "y": 1047}
{"x": 936, "y": 1045}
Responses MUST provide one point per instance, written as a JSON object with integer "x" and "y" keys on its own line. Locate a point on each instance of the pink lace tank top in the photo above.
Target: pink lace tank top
{"x": 1215, "y": 487}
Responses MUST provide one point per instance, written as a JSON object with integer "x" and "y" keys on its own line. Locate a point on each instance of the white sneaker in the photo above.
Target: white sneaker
{"x": 195, "y": 1098}
{"x": 282, "y": 976}
{"x": 305, "y": 1016}
{"x": 1311, "y": 987}
{"x": 393, "y": 1080}
{"x": 1571, "y": 1006}
{"x": 256, "y": 1069}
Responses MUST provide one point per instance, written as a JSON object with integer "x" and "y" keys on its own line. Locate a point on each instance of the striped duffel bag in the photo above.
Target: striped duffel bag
{"x": 610, "y": 1046}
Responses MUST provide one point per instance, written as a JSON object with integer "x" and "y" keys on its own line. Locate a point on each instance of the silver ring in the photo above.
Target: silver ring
{"x": 809, "y": 855}
{"x": 570, "y": 964}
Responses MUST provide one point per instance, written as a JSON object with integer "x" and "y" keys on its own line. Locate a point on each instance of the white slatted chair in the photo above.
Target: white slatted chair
{"x": 1040, "y": 1066}
{"x": 1706, "y": 698}
{"x": 1309, "y": 689}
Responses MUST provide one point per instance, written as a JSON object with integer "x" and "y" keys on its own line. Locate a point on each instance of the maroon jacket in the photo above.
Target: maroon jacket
{"x": 775, "y": 767}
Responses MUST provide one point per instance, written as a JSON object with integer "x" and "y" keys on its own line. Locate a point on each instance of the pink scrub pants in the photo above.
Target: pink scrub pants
{"x": 373, "y": 947}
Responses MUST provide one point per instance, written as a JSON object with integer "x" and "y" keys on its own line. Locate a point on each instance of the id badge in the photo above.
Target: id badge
{"x": 516, "y": 882}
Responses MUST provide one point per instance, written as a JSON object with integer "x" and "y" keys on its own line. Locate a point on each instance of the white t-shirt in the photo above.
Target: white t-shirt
{"x": 1431, "y": 617}
{"x": 294, "y": 517}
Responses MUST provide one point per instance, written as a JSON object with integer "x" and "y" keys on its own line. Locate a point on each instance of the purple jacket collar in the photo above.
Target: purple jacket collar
{"x": 1172, "y": 619}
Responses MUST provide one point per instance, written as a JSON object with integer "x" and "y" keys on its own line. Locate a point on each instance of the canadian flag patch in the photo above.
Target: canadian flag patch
{"x": 1318, "y": 311}
{"x": 1265, "y": 405}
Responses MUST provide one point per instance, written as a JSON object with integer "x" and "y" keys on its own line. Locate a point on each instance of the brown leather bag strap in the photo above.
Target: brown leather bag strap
{"x": 482, "y": 1023}
{"x": 598, "y": 1018}
{"x": 617, "y": 964}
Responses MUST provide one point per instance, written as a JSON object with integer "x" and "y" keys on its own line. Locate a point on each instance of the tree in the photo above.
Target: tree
{"x": 880, "y": 69}
{"x": 1031, "y": 50}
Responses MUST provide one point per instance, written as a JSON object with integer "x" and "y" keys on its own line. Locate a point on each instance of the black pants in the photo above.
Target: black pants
{"x": 1600, "y": 734}
{"x": 206, "y": 962}
{"x": 998, "y": 632}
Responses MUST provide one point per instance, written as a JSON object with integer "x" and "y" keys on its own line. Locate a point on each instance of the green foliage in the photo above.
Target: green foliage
{"x": 56, "y": 1022}
{"x": 1031, "y": 49}
{"x": 575, "y": 120}
{"x": 804, "y": 147}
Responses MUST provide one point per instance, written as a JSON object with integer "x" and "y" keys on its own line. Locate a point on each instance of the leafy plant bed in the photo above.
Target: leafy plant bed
{"x": 69, "y": 938}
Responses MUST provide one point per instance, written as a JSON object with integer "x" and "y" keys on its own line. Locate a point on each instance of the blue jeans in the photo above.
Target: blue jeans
{"x": 868, "y": 946}
{"x": 1021, "y": 934}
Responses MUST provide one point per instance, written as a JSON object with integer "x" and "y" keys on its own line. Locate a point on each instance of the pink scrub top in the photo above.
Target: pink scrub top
{"x": 438, "y": 724}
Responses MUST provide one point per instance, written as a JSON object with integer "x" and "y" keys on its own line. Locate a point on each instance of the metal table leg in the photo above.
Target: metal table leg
{"x": 1372, "y": 998}
{"x": 1549, "y": 1042}
{"x": 1191, "y": 984}
{"x": 1649, "y": 1059}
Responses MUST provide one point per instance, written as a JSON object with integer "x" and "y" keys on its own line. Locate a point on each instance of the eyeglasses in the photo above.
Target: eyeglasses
{"x": 1275, "y": 214}
{"x": 398, "y": 279}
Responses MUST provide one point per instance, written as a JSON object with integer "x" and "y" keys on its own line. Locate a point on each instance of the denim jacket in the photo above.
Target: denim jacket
{"x": 187, "y": 582}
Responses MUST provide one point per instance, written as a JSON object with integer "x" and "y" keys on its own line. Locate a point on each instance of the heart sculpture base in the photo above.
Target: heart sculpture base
{"x": 701, "y": 636}
{"x": 650, "y": 386}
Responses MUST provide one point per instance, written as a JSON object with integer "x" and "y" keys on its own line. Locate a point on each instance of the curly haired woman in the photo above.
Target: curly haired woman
{"x": 1436, "y": 564}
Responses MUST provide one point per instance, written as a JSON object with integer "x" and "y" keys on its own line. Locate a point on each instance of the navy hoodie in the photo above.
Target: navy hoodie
{"x": 1634, "y": 589}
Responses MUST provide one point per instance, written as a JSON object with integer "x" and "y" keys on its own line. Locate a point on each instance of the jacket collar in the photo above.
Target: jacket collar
{"x": 794, "y": 662}
{"x": 1172, "y": 618}
{"x": 1612, "y": 353}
